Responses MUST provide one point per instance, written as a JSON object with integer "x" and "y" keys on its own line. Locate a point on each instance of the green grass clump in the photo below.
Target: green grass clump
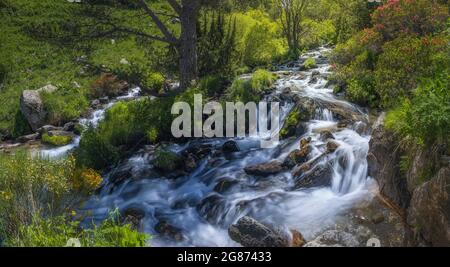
{"x": 167, "y": 160}
{"x": 251, "y": 90}
{"x": 310, "y": 63}
{"x": 56, "y": 140}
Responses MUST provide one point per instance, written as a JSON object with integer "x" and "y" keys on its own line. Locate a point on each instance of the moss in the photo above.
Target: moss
{"x": 310, "y": 63}
{"x": 56, "y": 140}
{"x": 167, "y": 160}
{"x": 290, "y": 124}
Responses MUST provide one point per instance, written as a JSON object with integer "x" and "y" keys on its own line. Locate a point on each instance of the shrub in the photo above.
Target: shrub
{"x": 126, "y": 125}
{"x": 212, "y": 85}
{"x": 154, "y": 82}
{"x": 56, "y": 140}
{"x": 425, "y": 119}
{"x": 403, "y": 62}
{"x": 31, "y": 185}
{"x": 56, "y": 231}
{"x": 310, "y": 63}
{"x": 261, "y": 80}
{"x": 416, "y": 17}
{"x": 108, "y": 85}
{"x": 95, "y": 151}
{"x": 251, "y": 89}
{"x": 86, "y": 180}
{"x": 65, "y": 105}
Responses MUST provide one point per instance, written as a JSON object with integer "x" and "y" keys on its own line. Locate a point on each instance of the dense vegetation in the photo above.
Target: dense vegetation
{"x": 392, "y": 55}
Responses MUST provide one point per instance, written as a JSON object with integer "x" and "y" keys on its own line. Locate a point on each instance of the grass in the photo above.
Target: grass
{"x": 56, "y": 140}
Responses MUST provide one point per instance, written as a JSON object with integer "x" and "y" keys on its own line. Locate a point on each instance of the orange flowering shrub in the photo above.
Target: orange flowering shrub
{"x": 86, "y": 180}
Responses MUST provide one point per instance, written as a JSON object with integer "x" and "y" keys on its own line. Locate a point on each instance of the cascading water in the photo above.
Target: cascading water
{"x": 191, "y": 204}
{"x": 93, "y": 120}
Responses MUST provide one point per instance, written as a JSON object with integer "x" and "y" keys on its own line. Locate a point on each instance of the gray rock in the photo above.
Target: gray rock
{"x": 250, "y": 233}
{"x": 383, "y": 159}
{"x": 334, "y": 238}
{"x": 230, "y": 146}
{"x": 429, "y": 213}
{"x": 27, "y": 138}
{"x": 265, "y": 169}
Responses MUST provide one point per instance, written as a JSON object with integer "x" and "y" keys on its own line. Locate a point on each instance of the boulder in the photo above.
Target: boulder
{"x": 383, "y": 160}
{"x": 167, "y": 161}
{"x": 133, "y": 216}
{"x": 169, "y": 231}
{"x": 265, "y": 169}
{"x": 230, "y": 146}
{"x": 213, "y": 208}
{"x": 224, "y": 184}
{"x": 250, "y": 233}
{"x": 297, "y": 239}
{"x": 429, "y": 212}
{"x": 27, "y": 138}
{"x": 32, "y": 106}
{"x": 325, "y": 135}
{"x": 319, "y": 175}
{"x": 332, "y": 146}
{"x": 334, "y": 238}
{"x": 48, "y": 128}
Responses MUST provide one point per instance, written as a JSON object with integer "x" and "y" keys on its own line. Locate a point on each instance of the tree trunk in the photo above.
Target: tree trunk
{"x": 188, "y": 43}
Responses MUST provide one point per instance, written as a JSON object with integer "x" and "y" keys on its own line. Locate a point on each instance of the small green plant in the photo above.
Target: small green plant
{"x": 56, "y": 232}
{"x": 154, "y": 82}
{"x": 251, "y": 89}
{"x": 310, "y": 63}
{"x": 56, "y": 140}
{"x": 261, "y": 80}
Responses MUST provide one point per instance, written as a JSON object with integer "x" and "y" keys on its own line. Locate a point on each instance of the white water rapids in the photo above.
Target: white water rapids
{"x": 270, "y": 199}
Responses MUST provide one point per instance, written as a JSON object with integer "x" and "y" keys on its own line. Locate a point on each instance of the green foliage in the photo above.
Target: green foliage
{"x": 56, "y": 231}
{"x": 167, "y": 160}
{"x": 212, "y": 85}
{"x": 126, "y": 125}
{"x": 95, "y": 151}
{"x": 21, "y": 126}
{"x": 251, "y": 89}
{"x": 56, "y": 140}
{"x": 31, "y": 185}
{"x": 290, "y": 123}
{"x": 260, "y": 40}
{"x": 425, "y": 119}
{"x": 154, "y": 82}
{"x": 403, "y": 62}
{"x": 310, "y": 63}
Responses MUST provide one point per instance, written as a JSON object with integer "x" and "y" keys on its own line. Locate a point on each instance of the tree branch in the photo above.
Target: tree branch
{"x": 168, "y": 35}
{"x": 177, "y": 7}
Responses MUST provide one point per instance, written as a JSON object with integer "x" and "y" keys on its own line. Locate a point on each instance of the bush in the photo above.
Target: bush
{"x": 108, "y": 85}
{"x": 126, "y": 125}
{"x": 30, "y": 186}
{"x": 86, "y": 180}
{"x": 212, "y": 85}
{"x": 56, "y": 232}
{"x": 310, "y": 63}
{"x": 415, "y": 17}
{"x": 65, "y": 105}
{"x": 425, "y": 119}
{"x": 250, "y": 90}
{"x": 56, "y": 140}
{"x": 403, "y": 62}
{"x": 154, "y": 82}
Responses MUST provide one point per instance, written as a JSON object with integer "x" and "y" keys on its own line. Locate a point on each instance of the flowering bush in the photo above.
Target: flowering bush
{"x": 417, "y": 17}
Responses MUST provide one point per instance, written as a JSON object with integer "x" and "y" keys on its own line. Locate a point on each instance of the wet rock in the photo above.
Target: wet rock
{"x": 429, "y": 213}
{"x": 325, "y": 135}
{"x": 230, "y": 146}
{"x": 199, "y": 150}
{"x": 32, "y": 106}
{"x": 28, "y": 138}
{"x": 48, "y": 128}
{"x": 95, "y": 104}
{"x": 315, "y": 73}
{"x": 250, "y": 233}
{"x": 334, "y": 238}
{"x": 120, "y": 175}
{"x": 225, "y": 184}
{"x": 167, "y": 161}
{"x": 190, "y": 163}
{"x": 265, "y": 169}
{"x": 297, "y": 239}
{"x": 377, "y": 218}
{"x": 298, "y": 156}
{"x": 133, "y": 216}
{"x": 332, "y": 146}
{"x": 361, "y": 128}
{"x": 383, "y": 161}
{"x": 104, "y": 100}
{"x": 319, "y": 175}
{"x": 60, "y": 133}
{"x": 169, "y": 231}
{"x": 212, "y": 208}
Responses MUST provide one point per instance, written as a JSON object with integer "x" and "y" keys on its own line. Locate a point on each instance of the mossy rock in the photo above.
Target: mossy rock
{"x": 167, "y": 161}
{"x": 56, "y": 140}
